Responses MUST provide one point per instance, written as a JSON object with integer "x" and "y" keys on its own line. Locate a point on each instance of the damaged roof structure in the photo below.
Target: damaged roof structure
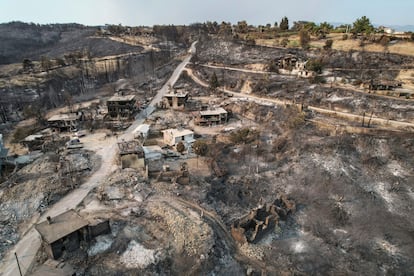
{"x": 64, "y": 122}
{"x": 212, "y": 116}
{"x": 63, "y": 232}
{"x": 121, "y": 107}
{"x": 66, "y": 231}
{"x": 175, "y": 100}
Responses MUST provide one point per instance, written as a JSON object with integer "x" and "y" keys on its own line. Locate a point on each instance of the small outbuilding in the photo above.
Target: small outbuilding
{"x": 64, "y": 122}
{"x": 66, "y": 231}
{"x": 173, "y": 136}
{"x": 63, "y": 233}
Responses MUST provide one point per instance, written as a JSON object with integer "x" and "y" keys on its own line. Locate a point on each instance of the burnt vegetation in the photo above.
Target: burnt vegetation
{"x": 298, "y": 179}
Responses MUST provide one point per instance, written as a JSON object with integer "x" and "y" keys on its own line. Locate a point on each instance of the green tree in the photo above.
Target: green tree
{"x": 214, "y": 83}
{"x": 324, "y": 28}
{"x": 284, "y": 24}
{"x": 362, "y": 25}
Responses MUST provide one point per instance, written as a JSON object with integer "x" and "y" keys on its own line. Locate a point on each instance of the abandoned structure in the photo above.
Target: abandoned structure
{"x": 63, "y": 232}
{"x": 175, "y": 100}
{"x": 287, "y": 62}
{"x": 121, "y": 107}
{"x": 173, "y": 136}
{"x": 291, "y": 64}
{"x": 180, "y": 176}
{"x": 382, "y": 85}
{"x": 253, "y": 226}
{"x": 66, "y": 231}
{"x": 131, "y": 154}
{"x": 153, "y": 158}
{"x": 33, "y": 142}
{"x": 64, "y": 122}
{"x": 212, "y": 117}
{"x": 141, "y": 131}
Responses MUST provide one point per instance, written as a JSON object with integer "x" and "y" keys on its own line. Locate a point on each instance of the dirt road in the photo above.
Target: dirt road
{"x": 30, "y": 242}
{"x": 385, "y": 123}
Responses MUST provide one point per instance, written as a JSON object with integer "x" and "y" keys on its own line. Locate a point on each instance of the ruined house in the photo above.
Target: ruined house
{"x": 291, "y": 64}
{"x": 287, "y": 62}
{"x": 153, "y": 158}
{"x": 251, "y": 227}
{"x": 175, "y": 100}
{"x": 33, "y": 142}
{"x": 63, "y": 233}
{"x": 121, "y": 107}
{"x": 64, "y": 122}
{"x": 173, "y": 136}
{"x": 384, "y": 85}
{"x": 131, "y": 154}
{"x": 66, "y": 231}
{"x": 38, "y": 140}
{"x": 212, "y": 117}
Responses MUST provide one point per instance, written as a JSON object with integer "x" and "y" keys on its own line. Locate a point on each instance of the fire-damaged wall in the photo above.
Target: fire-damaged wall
{"x": 258, "y": 221}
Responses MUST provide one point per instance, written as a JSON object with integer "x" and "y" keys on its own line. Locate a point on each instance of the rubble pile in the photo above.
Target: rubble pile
{"x": 137, "y": 256}
{"x": 32, "y": 188}
{"x": 191, "y": 234}
{"x": 8, "y": 230}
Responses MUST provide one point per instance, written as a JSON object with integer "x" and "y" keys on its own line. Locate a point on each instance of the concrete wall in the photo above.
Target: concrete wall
{"x": 100, "y": 228}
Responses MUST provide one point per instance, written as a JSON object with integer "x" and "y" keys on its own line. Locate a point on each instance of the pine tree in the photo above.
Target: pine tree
{"x": 284, "y": 24}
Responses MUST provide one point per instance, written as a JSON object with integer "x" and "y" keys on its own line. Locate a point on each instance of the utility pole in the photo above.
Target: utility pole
{"x": 18, "y": 265}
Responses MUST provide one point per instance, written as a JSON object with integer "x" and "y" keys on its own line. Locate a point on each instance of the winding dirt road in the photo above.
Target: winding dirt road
{"x": 386, "y": 123}
{"x": 30, "y": 242}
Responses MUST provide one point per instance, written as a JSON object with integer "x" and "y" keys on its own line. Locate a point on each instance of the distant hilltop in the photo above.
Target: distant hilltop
{"x": 397, "y": 28}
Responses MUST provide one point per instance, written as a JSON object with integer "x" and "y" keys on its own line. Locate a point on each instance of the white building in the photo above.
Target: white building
{"x": 141, "y": 131}
{"x": 173, "y": 136}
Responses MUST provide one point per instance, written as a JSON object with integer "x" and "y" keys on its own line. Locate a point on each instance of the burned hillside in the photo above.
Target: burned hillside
{"x": 21, "y": 40}
{"x": 249, "y": 159}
